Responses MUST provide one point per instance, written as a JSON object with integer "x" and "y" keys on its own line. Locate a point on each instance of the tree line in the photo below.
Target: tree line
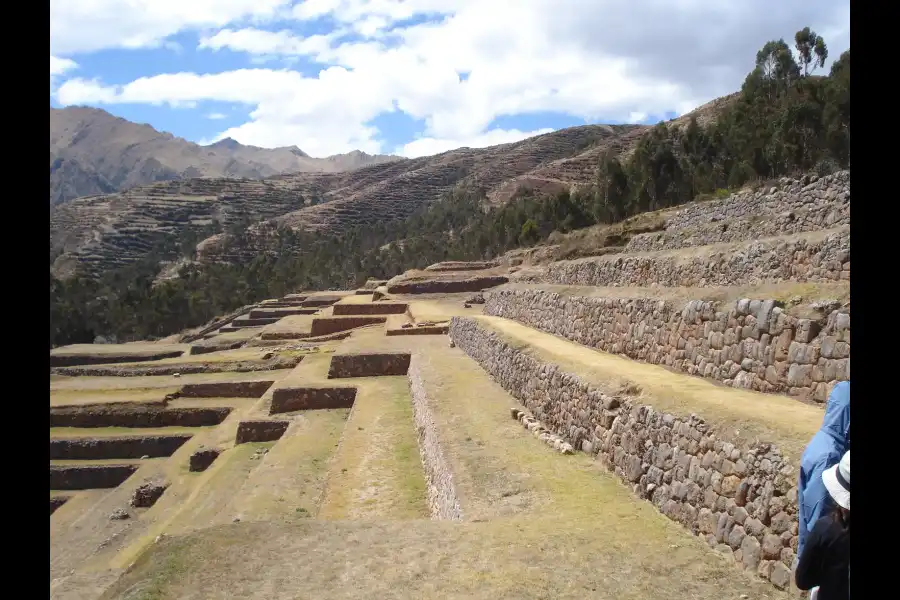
{"x": 785, "y": 120}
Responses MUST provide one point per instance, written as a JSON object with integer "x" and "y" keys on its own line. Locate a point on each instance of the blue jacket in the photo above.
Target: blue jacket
{"x": 824, "y": 450}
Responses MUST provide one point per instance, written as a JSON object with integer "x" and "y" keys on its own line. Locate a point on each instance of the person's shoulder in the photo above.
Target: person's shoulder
{"x": 827, "y": 528}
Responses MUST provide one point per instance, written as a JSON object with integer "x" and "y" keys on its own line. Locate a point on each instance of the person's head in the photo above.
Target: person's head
{"x": 837, "y": 482}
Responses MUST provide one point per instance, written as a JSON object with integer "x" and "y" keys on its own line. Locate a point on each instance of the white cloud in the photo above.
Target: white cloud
{"x": 58, "y": 66}
{"x": 429, "y": 146}
{"x": 622, "y": 60}
{"x": 89, "y": 25}
{"x": 216, "y": 116}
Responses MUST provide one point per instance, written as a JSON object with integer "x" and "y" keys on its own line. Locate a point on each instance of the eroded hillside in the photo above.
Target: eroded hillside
{"x": 103, "y": 232}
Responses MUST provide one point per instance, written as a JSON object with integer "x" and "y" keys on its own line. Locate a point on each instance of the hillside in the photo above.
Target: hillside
{"x": 107, "y": 231}
{"x": 93, "y": 152}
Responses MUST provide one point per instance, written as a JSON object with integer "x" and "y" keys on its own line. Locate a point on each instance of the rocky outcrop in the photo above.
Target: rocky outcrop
{"x": 443, "y": 501}
{"x": 739, "y": 498}
{"x": 751, "y": 344}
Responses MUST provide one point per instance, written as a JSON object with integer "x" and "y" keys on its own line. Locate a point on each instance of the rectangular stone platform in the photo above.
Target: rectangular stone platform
{"x": 311, "y": 398}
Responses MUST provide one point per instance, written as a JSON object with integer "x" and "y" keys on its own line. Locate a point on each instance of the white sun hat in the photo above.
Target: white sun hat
{"x": 837, "y": 481}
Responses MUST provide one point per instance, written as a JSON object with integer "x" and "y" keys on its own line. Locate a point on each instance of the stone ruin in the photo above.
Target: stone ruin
{"x": 734, "y": 493}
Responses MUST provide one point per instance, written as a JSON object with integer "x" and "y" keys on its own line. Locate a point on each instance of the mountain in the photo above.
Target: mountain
{"x": 93, "y": 152}
{"x": 99, "y": 233}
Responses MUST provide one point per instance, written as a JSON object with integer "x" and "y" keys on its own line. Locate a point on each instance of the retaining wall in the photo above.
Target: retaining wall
{"x": 57, "y": 501}
{"x": 368, "y": 365}
{"x": 793, "y": 206}
{"x": 426, "y": 330}
{"x": 89, "y": 477}
{"x": 383, "y": 308}
{"x": 247, "y": 366}
{"x": 806, "y": 258}
{"x": 260, "y": 431}
{"x": 449, "y": 286}
{"x": 443, "y": 501}
{"x": 261, "y": 313}
{"x": 327, "y": 325}
{"x": 68, "y": 360}
{"x": 747, "y": 344}
{"x": 115, "y": 447}
{"x": 203, "y": 458}
{"x": 225, "y": 389}
{"x": 137, "y": 416}
{"x": 291, "y": 399}
{"x": 739, "y": 498}
{"x": 809, "y": 190}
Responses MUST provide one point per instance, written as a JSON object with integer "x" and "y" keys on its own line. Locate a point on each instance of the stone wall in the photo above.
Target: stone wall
{"x": 245, "y": 366}
{"x": 739, "y": 499}
{"x": 327, "y": 325}
{"x": 808, "y": 258}
{"x": 136, "y": 416}
{"x": 446, "y": 286}
{"x": 798, "y": 220}
{"x": 102, "y": 358}
{"x": 368, "y": 365}
{"x": 788, "y": 194}
{"x": 88, "y": 477}
{"x": 260, "y": 431}
{"x": 749, "y": 344}
{"x": 383, "y": 308}
{"x": 225, "y": 389}
{"x": 423, "y": 330}
{"x": 291, "y": 399}
{"x": 116, "y": 447}
{"x": 441, "y": 490}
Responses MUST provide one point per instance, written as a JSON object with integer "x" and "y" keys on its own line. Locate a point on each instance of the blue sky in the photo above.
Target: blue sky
{"x": 410, "y": 77}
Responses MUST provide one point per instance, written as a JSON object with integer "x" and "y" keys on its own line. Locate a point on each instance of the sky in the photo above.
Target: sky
{"x": 411, "y": 77}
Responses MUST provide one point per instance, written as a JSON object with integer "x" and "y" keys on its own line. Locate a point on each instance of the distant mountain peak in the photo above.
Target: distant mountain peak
{"x": 227, "y": 143}
{"x": 298, "y": 152}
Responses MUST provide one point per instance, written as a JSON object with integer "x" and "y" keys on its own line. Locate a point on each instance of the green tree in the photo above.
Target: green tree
{"x": 811, "y": 50}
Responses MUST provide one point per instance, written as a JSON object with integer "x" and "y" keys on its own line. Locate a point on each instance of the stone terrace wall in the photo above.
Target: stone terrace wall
{"x": 116, "y": 447}
{"x": 741, "y": 500}
{"x": 441, "y": 491}
{"x": 385, "y": 308}
{"x": 370, "y": 364}
{"x": 790, "y": 194}
{"x": 748, "y": 344}
{"x": 794, "y": 208}
{"x": 767, "y": 261}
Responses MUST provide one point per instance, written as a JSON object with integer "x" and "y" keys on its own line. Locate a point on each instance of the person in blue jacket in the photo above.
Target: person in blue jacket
{"x": 824, "y": 450}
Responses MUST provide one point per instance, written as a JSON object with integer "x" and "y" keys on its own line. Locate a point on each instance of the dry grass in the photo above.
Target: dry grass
{"x": 289, "y": 482}
{"x": 136, "y": 348}
{"x": 376, "y": 471}
{"x": 742, "y": 415}
{"x": 72, "y": 397}
{"x": 94, "y": 432}
{"x": 582, "y": 535}
{"x": 112, "y": 384}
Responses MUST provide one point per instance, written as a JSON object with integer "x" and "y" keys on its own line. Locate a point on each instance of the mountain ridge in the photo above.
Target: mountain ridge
{"x": 94, "y": 152}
